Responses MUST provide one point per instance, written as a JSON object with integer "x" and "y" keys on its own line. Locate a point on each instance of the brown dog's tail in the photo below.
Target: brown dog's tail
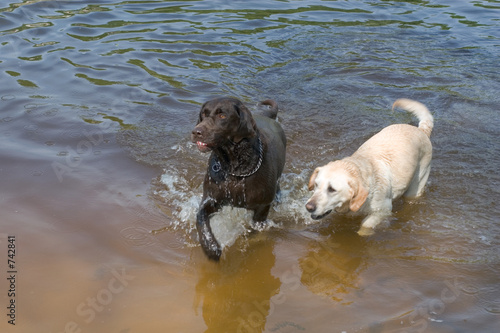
{"x": 272, "y": 111}
{"x": 426, "y": 121}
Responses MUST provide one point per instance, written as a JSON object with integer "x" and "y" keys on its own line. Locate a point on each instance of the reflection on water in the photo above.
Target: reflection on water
{"x": 235, "y": 296}
{"x": 97, "y": 172}
{"x": 331, "y": 267}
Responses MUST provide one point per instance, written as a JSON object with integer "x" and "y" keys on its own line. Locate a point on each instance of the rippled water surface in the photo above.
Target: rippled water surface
{"x": 100, "y": 183}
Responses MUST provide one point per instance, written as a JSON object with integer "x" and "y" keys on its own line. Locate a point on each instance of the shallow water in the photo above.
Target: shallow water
{"x": 100, "y": 183}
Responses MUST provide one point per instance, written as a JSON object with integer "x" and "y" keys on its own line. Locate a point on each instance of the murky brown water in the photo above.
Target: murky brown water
{"x": 100, "y": 184}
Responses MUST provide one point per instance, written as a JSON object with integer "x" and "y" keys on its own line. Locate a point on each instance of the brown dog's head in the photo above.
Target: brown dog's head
{"x": 221, "y": 121}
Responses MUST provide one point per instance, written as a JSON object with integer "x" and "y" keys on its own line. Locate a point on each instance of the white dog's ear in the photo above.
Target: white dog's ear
{"x": 312, "y": 179}
{"x": 358, "y": 198}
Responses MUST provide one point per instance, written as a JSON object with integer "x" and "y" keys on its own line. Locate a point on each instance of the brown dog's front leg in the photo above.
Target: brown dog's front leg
{"x": 207, "y": 239}
{"x": 260, "y": 216}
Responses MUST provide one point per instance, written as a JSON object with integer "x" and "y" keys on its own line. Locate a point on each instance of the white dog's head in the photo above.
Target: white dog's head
{"x": 336, "y": 187}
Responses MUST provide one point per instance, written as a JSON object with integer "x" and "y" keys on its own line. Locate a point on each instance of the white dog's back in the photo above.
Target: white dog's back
{"x": 394, "y": 162}
{"x": 402, "y": 153}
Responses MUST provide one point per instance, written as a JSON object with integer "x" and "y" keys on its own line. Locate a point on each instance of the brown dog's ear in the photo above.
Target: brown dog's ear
{"x": 200, "y": 113}
{"x": 310, "y": 186}
{"x": 360, "y": 193}
{"x": 247, "y": 126}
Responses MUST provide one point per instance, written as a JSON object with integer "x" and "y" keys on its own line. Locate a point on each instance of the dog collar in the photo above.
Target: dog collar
{"x": 216, "y": 167}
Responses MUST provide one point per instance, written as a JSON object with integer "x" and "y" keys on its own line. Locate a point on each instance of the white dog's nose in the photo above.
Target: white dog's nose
{"x": 310, "y": 206}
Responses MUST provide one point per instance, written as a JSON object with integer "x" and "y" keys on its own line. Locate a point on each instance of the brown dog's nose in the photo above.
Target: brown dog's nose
{"x": 197, "y": 131}
{"x": 311, "y": 207}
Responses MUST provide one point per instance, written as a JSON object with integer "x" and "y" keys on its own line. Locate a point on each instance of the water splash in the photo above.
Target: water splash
{"x": 180, "y": 198}
{"x": 290, "y": 206}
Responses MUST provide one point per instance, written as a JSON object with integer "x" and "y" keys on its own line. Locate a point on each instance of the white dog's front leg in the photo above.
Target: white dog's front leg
{"x": 371, "y": 221}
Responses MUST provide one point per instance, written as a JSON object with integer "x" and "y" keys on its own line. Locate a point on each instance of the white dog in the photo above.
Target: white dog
{"x": 394, "y": 162}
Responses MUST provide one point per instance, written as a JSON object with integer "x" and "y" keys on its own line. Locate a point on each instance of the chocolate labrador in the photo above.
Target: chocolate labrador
{"x": 246, "y": 162}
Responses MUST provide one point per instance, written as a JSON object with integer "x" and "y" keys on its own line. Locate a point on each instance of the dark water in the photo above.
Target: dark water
{"x": 100, "y": 184}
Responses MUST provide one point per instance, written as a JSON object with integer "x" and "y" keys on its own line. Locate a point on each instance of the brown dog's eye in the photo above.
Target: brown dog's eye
{"x": 221, "y": 116}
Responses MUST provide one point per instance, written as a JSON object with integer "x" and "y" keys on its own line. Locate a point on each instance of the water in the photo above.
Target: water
{"x": 100, "y": 184}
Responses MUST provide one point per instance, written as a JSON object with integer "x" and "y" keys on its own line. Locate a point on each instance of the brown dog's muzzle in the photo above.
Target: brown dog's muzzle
{"x": 198, "y": 132}
{"x": 198, "y": 137}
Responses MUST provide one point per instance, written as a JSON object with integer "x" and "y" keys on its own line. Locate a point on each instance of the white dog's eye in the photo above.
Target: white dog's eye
{"x": 331, "y": 189}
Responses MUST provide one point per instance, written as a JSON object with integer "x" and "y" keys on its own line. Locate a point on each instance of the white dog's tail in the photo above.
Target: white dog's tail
{"x": 420, "y": 111}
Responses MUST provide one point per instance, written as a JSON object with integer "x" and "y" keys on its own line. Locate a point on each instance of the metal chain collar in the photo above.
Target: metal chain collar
{"x": 216, "y": 167}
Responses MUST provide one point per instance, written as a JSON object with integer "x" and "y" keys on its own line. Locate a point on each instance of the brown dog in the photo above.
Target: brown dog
{"x": 248, "y": 156}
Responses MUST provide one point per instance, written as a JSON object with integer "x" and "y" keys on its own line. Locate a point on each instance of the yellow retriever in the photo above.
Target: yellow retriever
{"x": 394, "y": 162}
